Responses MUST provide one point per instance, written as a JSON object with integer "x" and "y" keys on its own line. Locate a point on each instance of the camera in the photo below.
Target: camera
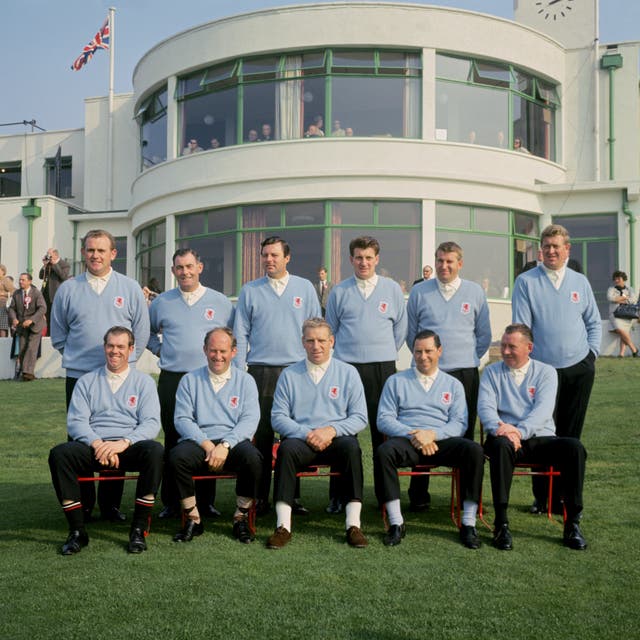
{"x": 47, "y": 257}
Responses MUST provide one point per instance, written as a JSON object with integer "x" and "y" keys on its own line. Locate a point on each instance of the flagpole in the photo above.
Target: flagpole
{"x": 112, "y": 44}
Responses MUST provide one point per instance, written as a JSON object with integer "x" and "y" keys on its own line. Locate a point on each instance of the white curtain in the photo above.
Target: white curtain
{"x": 412, "y": 86}
{"x": 289, "y": 101}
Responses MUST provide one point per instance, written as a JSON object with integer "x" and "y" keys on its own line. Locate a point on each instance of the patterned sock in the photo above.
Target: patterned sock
{"x": 74, "y": 515}
{"x": 142, "y": 514}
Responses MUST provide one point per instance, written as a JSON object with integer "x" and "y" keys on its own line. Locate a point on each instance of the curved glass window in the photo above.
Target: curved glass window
{"x": 150, "y": 256}
{"x": 497, "y": 105}
{"x": 152, "y": 118}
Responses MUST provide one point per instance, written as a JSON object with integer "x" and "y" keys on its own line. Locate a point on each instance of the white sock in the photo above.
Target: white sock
{"x": 352, "y": 511}
{"x": 283, "y": 515}
{"x": 394, "y": 514}
{"x": 469, "y": 513}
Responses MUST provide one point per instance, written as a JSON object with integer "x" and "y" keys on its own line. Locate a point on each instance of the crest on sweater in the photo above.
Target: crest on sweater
{"x": 446, "y": 397}
{"x": 234, "y": 401}
{"x": 118, "y": 302}
{"x": 532, "y": 392}
{"x": 575, "y": 297}
{"x": 334, "y": 392}
{"x": 132, "y": 401}
{"x": 465, "y": 308}
{"x": 209, "y": 313}
{"x": 297, "y": 302}
{"x": 383, "y": 307}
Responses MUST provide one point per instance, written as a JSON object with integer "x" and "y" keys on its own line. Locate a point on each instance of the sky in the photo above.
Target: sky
{"x": 39, "y": 39}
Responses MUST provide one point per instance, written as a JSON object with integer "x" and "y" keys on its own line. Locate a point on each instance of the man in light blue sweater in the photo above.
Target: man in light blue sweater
{"x": 515, "y": 405}
{"x": 424, "y": 414}
{"x": 318, "y": 408}
{"x": 269, "y": 317}
{"x": 216, "y": 416}
{"x": 558, "y": 304}
{"x": 113, "y": 419}
{"x": 458, "y": 312}
{"x": 368, "y": 317}
{"x": 183, "y": 316}
{"x": 83, "y": 309}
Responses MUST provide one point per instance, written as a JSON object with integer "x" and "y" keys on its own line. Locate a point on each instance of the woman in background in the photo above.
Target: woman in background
{"x": 619, "y": 293}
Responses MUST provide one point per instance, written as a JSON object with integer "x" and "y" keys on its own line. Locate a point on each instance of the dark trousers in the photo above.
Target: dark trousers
{"x": 470, "y": 379}
{"x": 567, "y": 455}
{"x": 397, "y": 452}
{"x": 188, "y": 459}
{"x": 70, "y": 460}
{"x": 109, "y": 493}
{"x": 343, "y": 454}
{"x": 29, "y": 344}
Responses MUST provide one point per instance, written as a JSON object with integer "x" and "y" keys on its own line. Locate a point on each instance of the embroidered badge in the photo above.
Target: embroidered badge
{"x": 234, "y": 401}
{"x": 446, "y": 397}
{"x": 532, "y": 392}
{"x": 209, "y": 314}
{"x": 383, "y": 307}
{"x": 334, "y": 392}
{"x": 575, "y": 297}
{"x": 118, "y": 302}
{"x": 132, "y": 401}
{"x": 297, "y": 302}
{"x": 465, "y": 308}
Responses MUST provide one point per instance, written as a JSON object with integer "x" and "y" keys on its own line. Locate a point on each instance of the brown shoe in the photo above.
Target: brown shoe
{"x": 279, "y": 538}
{"x": 356, "y": 538}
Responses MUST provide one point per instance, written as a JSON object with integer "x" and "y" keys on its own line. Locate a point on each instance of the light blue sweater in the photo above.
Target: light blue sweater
{"x": 271, "y": 325}
{"x": 231, "y": 415}
{"x": 95, "y": 412}
{"x": 299, "y": 405}
{"x": 184, "y": 327}
{"x": 80, "y": 318}
{"x": 405, "y": 406}
{"x": 565, "y": 322}
{"x": 528, "y": 407}
{"x": 370, "y": 330}
{"x": 462, "y": 322}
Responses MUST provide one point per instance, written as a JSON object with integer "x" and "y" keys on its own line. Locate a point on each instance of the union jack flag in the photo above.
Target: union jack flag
{"x": 100, "y": 41}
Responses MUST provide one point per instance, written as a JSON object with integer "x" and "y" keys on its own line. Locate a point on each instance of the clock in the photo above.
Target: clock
{"x": 554, "y": 9}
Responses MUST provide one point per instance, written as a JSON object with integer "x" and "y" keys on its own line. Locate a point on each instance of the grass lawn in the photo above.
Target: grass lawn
{"x": 317, "y": 587}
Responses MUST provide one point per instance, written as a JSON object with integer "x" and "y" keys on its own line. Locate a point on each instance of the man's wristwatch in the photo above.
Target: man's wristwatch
{"x": 225, "y": 444}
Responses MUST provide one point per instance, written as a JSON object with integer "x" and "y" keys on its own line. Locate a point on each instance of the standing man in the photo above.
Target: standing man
{"x": 424, "y": 413}
{"x": 367, "y": 315}
{"x": 83, "y": 309}
{"x": 427, "y": 271}
{"x": 27, "y": 318}
{"x": 318, "y": 409}
{"x": 559, "y": 306}
{"x": 269, "y": 313}
{"x": 53, "y": 273}
{"x": 516, "y": 403}
{"x": 323, "y": 288}
{"x": 458, "y": 312}
{"x": 217, "y": 413}
{"x": 113, "y": 419}
{"x": 183, "y": 316}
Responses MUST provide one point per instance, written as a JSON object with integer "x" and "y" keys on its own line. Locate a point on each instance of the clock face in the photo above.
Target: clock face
{"x": 554, "y": 9}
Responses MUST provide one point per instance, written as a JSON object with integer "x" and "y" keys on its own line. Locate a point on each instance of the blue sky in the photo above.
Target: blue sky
{"x": 39, "y": 40}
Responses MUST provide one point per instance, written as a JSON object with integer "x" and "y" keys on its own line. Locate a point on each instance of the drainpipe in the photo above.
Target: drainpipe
{"x": 611, "y": 61}
{"x": 30, "y": 211}
{"x": 632, "y": 248}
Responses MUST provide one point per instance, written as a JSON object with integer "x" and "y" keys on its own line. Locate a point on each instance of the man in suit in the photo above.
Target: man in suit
{"x": 323, "y": 288}
{"x": 53, "y": 273}
{"x": 427, "y": 271}
{"x": 532, "y": 264}
{"x": 27, "y": 316}
{"x": 515, "y": 405}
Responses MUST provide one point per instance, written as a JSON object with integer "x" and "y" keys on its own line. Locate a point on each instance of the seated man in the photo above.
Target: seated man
{"x": 318, "y": 408}
{"x": 217, "y": 414}
{"x": 424, "y": 413}
{"x": 515, "y": 406}
{"x": 113, "y": 419}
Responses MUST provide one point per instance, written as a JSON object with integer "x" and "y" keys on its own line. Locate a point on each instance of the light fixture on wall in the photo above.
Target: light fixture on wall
{"x": 209, "y": 119}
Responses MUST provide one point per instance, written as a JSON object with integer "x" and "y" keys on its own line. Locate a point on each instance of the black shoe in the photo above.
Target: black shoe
{"x": 137, "y": 542}
{"x": 573, "y": 537}
{"x": 502, "y": 538}
{"x": 169, "y": 511}
{"x": 209, "y": 511}
{"x": 334, "y": 507}
{"x": 469, "y": 537}
{"x": 242, "y": 532}
{"x": 74, "y": 543}
{"x": 262, "y": 507}
{"x": 538, "y": 508}
{"x": 298, "y": 509}
{"x": 113, "y": 514}
{"x": 189, "y": 531}
{"x": 394, "y": 535}
{"x": 422, "y": 506}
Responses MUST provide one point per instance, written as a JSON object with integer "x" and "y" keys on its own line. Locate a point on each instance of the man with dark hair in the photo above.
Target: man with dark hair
{"x": 113, "y": 419}
{"x": 216, "y": 416}
{"x": 53, "y": 273}
{"x": 515, "y": 405}
{"x": 83, "y": 309}
{"x": 368, "y": 317}
{"x": 270, "y": 311}
{"x": 323, "y": 287}
{"x": 182, "y": 316}
{"x": 423, "y": 412}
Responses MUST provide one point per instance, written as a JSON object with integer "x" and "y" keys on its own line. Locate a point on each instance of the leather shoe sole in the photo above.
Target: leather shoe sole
{"x": 75, "y": 542}
{"x": 394, "y": 535}
{"x": 189, "y": 531}
{"x": 137, "y": 543}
